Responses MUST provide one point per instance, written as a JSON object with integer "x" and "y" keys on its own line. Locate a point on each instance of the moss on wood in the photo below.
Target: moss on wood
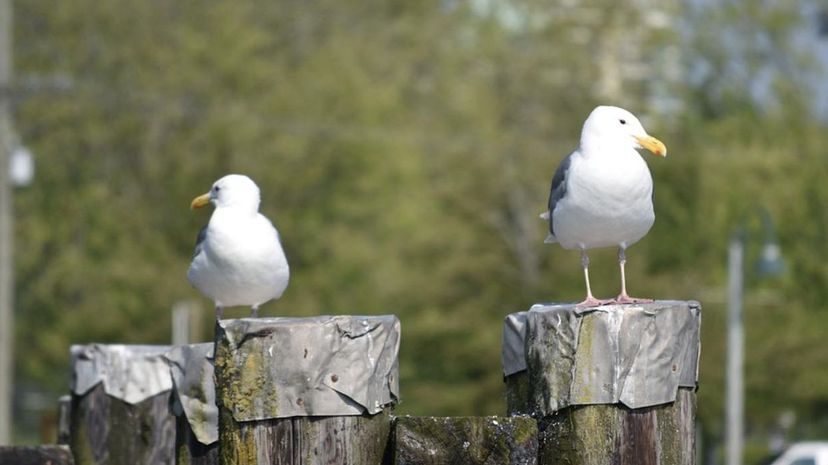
{"x": 614, "y": 434}
{"x": 517, "y": 393}
{"x": 243, "y": 386}
{"x": 468, "y": 440}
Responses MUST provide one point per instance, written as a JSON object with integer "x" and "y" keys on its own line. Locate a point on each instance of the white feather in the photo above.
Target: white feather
{"x": 608, "y": 199}
{"x": 241, "y": 261}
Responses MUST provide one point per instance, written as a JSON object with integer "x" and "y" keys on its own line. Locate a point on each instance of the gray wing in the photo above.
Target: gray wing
{"x": 558, "y": 189}
{"x": 202, "y": 236}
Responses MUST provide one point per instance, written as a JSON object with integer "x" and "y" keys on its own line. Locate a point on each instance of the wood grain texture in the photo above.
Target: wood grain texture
{"x": 354, "y": 440}
{"x": 517, "y": 393}
{"x": 465, "y": 440}
{"x": 343, "y": 440}
{"x": 108, "y": 431}
{"x": 617, "y": 435}
{"x": 35, "y": 455}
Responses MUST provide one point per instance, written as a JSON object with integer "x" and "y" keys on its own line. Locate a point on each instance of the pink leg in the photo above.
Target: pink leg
{"x": 590, "y": 300}
{"x": 623, "y": 297}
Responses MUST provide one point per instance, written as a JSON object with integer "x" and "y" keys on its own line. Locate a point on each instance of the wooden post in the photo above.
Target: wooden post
{"x": 120, "y": 406}
{"x": 306, "y": 390}
{"x": 347, "y": 440}
{"x": 466, "y": 440}
{"x": 615, "y": 434}
{"x": 613, "y": 385}
{"x": 35, "y": 455}
{"x": 106, "y": 430}
{"x": 64, "y": 419}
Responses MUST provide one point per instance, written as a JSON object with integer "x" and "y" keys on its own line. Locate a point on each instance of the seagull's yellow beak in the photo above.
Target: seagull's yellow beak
{"x": 653, "y": 145}
{"x": 200, "y": 201}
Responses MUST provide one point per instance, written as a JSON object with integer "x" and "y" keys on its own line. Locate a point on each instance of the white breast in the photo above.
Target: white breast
{"x": 608, "y": 202}
{"x": 241, "y": 263}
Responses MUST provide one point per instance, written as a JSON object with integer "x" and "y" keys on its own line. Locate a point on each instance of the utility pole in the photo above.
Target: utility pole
{"x": 734, "y": 399}
{"x": 6, "y": 226}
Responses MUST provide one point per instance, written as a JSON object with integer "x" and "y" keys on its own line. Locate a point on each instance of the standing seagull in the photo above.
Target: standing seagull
{"x": 602, "y": 193}
{"x": 238, "y": 258}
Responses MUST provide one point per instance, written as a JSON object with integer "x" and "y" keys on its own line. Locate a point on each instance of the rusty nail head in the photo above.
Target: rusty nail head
{"x": 334, "y": 378}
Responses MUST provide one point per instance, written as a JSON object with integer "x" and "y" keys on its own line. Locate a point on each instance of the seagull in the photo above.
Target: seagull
{"x": 238, "y": 258}
{"x": 602, "y": 193}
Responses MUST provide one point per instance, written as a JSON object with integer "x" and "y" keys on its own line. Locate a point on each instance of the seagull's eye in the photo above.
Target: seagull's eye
{"x": 216, "y": 188}
{"x": 622, "y": 121}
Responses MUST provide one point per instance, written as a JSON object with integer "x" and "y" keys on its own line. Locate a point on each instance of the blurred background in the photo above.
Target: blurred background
{"x": 404, "y": 150}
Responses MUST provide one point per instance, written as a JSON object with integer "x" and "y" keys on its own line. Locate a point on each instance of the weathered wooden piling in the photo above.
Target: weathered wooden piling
{"x": 612, "y": 385}
{"x": 194, "y": 404}
{"x": 466, "y": 440}
{"x": 306, "y": 390}
{"x": 120, "y": 406}
{"x": 64, "y": 419}
{"x": 35, "y": 455}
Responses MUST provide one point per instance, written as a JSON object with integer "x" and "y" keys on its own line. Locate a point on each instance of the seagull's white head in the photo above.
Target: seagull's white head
{"x": 235, "y": 191}
{"x": 616, "y": 127}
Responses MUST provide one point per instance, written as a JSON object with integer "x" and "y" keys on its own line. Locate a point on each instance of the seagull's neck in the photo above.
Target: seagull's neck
{"x": 236, "y": 211}
{"x": 599, "y": 148}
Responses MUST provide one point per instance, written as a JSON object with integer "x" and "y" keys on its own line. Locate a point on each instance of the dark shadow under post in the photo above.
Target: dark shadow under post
{"x": 306, "y": 390}
{"x": 188, "y": 449}
{"x": 120, "y": 406}
{"x": 612, "y": 385}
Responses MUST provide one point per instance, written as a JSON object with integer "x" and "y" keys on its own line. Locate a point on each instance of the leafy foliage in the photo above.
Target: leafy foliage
{"x": 404, "y": 150}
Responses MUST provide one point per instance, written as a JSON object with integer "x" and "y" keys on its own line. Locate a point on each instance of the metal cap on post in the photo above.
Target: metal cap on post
{"x": 120, "y": 405}
{"x": 194, "y": 403}
{"x": 327, "y": 382}
{"x": 617, "y": 381}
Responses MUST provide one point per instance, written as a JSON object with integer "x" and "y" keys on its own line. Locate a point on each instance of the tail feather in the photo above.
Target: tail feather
{"x": 550, "y": 239}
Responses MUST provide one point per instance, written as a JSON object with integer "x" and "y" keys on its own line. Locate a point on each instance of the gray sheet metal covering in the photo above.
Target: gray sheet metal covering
{"x": 340, "y": 365}
{"x": 637, "y": 355}
{"x": 192, "y": 370}
{"x": 131, "y": 373}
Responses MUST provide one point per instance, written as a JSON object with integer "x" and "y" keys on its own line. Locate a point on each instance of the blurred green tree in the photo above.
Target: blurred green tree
{"x": 404, "y": 150}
